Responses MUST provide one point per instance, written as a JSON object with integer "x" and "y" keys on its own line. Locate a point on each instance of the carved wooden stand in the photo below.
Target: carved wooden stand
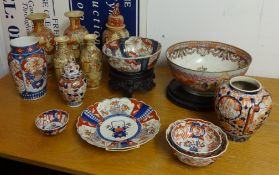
{"x": 181, "y": 97}
{"x": 130, "y": 82}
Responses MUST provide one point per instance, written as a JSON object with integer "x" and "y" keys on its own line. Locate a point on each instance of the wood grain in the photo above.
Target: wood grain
{"x": 21, "y": 141}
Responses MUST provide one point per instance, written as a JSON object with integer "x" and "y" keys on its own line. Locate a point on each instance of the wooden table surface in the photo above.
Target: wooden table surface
{"x": 20, "y": 140}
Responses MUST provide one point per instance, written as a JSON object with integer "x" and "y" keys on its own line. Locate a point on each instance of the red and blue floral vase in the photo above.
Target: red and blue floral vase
{"x": 28, "y": 67}
{"x": 242, "y": 105}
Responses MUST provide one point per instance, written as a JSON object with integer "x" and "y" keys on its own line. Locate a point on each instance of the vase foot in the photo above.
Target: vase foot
{"x": 75, "y": 105}
{"x": 34, "y": 95}
{"x": 238, "y": 138}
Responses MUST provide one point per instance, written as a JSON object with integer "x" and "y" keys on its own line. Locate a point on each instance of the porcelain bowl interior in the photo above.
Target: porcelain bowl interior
{"x": 24, "y": 41}
{"x": 52, "y": 122}
{"x": 195, "y": 137}
{"x": 200, "y": 66}
{"x": 132, "y": 54}
{"x": 197, "y": 160}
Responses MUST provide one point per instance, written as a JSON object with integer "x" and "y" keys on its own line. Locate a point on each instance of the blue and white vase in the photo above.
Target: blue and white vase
{"x": 28, "y": 67}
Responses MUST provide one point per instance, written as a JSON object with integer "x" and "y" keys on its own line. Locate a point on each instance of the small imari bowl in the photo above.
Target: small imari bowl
{"x": 195, "y": 137}
{"x": 197, "y": 160}
{"x": 132, "y": 54}
{"x": 52, "y": 122}
{"x": 201, "y": 66}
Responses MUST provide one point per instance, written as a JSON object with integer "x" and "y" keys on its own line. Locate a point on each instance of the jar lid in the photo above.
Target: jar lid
{"x": 71, "y": 70}
{"x": 115, "y": 19}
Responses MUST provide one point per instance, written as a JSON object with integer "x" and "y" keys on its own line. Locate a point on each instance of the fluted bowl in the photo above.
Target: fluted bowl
{"x": 132, "y": 54}
{"x": 197, "y": 160}
{"x": 118, "y": 124}
{"x": 195, "y": 137}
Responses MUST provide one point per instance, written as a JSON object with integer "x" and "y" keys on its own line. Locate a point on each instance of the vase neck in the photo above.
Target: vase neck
{"x": 38, "y": 25}
{"x": 24, "y": 45}
{"x": 74, "y": 23}
{"x": 245, "y": 84}
{"x": 90, "y": 43}
{"x": 62, "y": 45}
{"x": 115, "y": 28}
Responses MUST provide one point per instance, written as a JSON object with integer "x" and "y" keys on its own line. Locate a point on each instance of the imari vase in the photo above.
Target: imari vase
{"x": 28, "y": 67}
{"x": 242, "y": 105}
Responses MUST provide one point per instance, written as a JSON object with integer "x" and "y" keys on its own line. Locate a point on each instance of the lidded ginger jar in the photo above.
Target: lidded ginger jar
{"x": 115, "y": 26}
{"x": 72, "y": 84}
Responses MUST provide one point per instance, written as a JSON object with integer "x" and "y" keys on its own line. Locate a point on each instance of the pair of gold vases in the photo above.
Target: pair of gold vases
{"x": 87, "y": 55}
{"x": 90, "y": 59}
{"x": 69, "y": 47}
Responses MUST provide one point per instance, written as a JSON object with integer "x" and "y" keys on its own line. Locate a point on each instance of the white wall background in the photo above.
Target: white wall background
{"x": 252, "y": 25}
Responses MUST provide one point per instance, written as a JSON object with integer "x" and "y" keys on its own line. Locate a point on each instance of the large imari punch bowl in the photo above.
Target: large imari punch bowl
{"x": 201, "y": 66}
{"x": 118, "y": 124}
{"x": 132, "y": 54}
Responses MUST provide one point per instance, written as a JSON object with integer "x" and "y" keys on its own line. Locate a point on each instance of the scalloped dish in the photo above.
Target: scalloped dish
{"x": 118, "y": 124}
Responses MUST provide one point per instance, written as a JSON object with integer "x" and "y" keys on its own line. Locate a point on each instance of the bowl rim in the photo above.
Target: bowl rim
{"x": 37, "y": 118}
{"x": 201, "y": 158}
{"x": 209, "y": 125}
{"x": 159, "y": 49}
{"x": 213, "y": 42}
{"x": 246, "y": 79}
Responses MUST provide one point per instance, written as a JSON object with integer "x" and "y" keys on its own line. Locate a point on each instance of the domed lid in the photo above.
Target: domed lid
{"x": 71, "y": 70}
{"x": 115, "y": 19}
